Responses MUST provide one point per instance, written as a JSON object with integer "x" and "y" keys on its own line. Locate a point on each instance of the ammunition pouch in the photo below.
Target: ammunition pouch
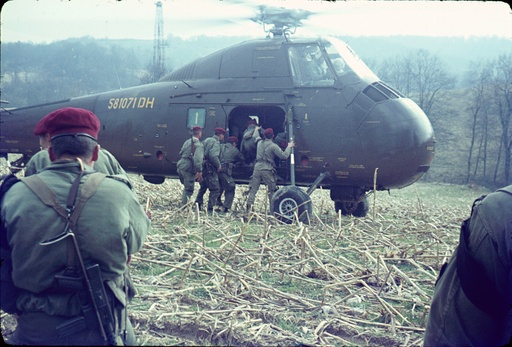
{"x": 227, "y": 168}
{"x": 208, "y": 167}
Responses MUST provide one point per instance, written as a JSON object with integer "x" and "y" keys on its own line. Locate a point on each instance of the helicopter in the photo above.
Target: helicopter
{"x": 354, "y": 134}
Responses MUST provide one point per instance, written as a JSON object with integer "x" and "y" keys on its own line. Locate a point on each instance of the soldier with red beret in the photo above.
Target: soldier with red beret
{"x": 190, "y": 165}
{"x": 108, "y": 224}
{"x": 229, "y": 156}
{"x": 106, "y": 162}
{"x": 211, "y": 168}
{"x": 264, "y": 169}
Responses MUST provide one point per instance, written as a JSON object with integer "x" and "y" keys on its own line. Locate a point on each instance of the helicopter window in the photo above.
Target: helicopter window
{"x": 309, "y": 67}
{"x": 196, "y": 116}
{"x": 345, "y": 61}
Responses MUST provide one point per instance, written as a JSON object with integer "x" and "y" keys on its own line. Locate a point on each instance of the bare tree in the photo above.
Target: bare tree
{"x": 490, "y": 107}
{"x": 502, "y": 89}
{"x": 419, "y": 75}
{"x": 478, "y": 78}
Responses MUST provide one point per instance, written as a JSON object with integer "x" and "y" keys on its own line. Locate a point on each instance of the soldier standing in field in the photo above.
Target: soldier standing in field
{"x": 211, "y": 168}
{"x": 40, "y": 218}
{"x": 106, "y": 162}
{"x": 264, "y": 169}
{"x": 190, "y": 165}
{"x": 229, "y": 156}
{"x": 472, "y": 301}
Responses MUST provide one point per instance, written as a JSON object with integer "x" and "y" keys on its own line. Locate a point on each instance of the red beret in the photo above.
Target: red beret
{"x": 268, "y": 131}
{"x": 71, "y": 120}
{"x": 40, "y": 128}
{"x": 220, "y": 131}
{"x": 195, "y": 128}
{"x": 232, "y": 139}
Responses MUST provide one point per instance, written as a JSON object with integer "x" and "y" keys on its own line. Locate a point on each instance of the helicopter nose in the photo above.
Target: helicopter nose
{"x": 399, "y": 141}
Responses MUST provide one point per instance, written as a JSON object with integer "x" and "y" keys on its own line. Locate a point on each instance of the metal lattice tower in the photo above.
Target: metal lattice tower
{"x": 158, "y": 42}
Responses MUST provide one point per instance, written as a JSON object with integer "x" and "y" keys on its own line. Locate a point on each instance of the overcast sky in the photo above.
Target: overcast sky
{"x": 51, "y": 20}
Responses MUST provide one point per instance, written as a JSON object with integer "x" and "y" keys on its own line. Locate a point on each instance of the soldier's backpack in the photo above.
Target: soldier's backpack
{"x": 8, "y": 292}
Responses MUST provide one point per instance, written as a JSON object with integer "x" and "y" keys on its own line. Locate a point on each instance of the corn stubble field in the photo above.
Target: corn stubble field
{"x": 221, "y": 279}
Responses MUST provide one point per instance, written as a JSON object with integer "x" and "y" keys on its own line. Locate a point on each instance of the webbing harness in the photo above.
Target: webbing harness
{"x": 73, "y": 208}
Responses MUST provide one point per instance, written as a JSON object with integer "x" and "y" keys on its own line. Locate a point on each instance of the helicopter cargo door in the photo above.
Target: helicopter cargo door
{"x": 266, "y": 116}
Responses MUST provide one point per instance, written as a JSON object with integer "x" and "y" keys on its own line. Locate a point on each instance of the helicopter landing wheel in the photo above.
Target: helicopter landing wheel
{"x": 289, "y": 202}
{"x": 351, "y": 208}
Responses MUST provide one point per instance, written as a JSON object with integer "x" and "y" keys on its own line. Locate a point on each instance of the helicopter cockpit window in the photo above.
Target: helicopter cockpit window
{"x": 196, "y": 117}
{"x": 346, "y": 62}
{"x": 309, "y": 66}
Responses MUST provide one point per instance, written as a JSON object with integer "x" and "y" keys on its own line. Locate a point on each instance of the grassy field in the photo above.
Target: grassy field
{"x": 223, "y": 280}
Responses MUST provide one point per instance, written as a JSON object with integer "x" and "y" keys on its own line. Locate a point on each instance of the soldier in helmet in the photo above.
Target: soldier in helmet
{"x": 229, "y": 156}
{"x": 264, "y": 169}
{"x": 54, "y": 303}
{"x": 190, "y": 165}
{"x": 211, "y": 168}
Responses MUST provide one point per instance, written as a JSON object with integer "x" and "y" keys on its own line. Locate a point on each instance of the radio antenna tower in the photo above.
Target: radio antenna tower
{"x": 158, "y": 43}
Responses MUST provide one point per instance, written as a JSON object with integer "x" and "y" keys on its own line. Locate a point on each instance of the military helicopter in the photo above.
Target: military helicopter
{"x": 353, "y": 132}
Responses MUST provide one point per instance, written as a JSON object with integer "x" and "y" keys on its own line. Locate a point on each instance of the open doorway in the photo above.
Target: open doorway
{"x": 265, "y": 116}
{"x": 240, "y": 120}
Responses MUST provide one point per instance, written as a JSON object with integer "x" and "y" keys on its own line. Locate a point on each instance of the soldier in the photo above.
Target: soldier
{"x": 211, "y": 168}
{"x": 264, "y": 169}
{"x": 472, "y": 302}
{"x": 229, "y": 156}
{"x": 107, "y": 224}
{"x": 190, "y": 165}
{"x": 248, "y": 146}
{"x": 106, "y": 162}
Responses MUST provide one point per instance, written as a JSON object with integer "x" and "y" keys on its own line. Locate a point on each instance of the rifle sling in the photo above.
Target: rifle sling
{"x": 48, "y": 197}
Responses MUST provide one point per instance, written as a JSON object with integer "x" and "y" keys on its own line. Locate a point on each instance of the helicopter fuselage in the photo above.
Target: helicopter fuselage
{"x": 344, "y": 120}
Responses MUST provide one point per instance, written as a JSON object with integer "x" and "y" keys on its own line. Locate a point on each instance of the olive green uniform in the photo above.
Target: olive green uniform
{"x": 264, "y": 169}
{"x": 111, "y": 226}
{"x": 248, "y": 145}
{"x": 229, "y": 156}
{"x": 190, "y": 163}
{"x": 459, "y": 318}
{"x": 37, "y": 162}
{"x": 211, "y": 164}
{"x": 106, "y": 163}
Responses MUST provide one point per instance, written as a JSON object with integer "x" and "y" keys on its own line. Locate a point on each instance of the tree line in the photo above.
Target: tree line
{"x": 475, "y": 109}
{"x": 471, "y": 114}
